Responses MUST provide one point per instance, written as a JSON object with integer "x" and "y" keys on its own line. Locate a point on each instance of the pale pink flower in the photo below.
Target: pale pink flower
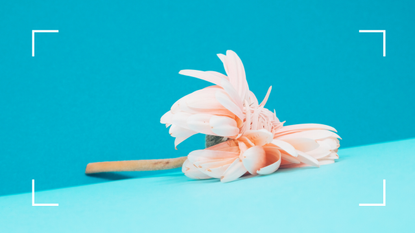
{"x": 258, "y": 142}
{"x": 260, "y": 152}
{"x": 215, "y": 110}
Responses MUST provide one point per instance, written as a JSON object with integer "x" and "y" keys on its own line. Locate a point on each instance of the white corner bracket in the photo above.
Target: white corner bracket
{"x": 378, "y": 31}
{"x": 39, "y": 31}
{"x": 33, "y": 198}
{"x": 384, "y": 197}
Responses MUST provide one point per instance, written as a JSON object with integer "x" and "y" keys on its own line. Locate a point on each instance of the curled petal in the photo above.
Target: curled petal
{"x": 273, "y": 161}
{"x": 254, "y": 159}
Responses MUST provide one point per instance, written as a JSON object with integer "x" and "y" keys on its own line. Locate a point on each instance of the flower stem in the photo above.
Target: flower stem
{"x": 135, "y": 165}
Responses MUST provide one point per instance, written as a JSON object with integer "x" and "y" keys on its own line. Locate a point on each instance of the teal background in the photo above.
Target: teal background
{"x": 96, "y": 90}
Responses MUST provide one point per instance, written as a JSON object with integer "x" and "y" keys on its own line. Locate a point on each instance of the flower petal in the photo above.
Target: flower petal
{"x": 180, "y": 119}
{"x": 166, "y": 118}
{"x": 217, "y": 172}
{"x": 203, "y": 99}
{"x": 236, "y": 74}
{"x": 266, "y": 97}
{"x": 223, "y": 126}
{"x": 217, "y": 74}
{"x": 214, "y": 168}
{"x": 312, "y": 134}
{"x": 177, "y": 131}
{"x": 254, "y": 159}
{"x": 287, "y": 147}
{"x": 209, "y": 155}
{"x": 302, "y": 127}
{"x": 273, "y": 156}
{"x": 227, "y": 103}
{"x": 307, "y": 159}
{"x": 319, "y": 152}
{"x": 234, "y": 171}
{"x": 192, "y": 172}
{"x": 229, "y": 145}
{"x": 330, "y": 143}
{"x": 200, "y": 123}
{"x": 288, "y": 159}
{"x": 207, "y": 76}
{"x": 259, "y": 137}
{"x": 326, "y": 161}
{"x": 302, "y": 144}
{"x": 179, "y": 140}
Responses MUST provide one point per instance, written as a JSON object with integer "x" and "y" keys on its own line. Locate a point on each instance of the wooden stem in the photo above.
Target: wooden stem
{"x": 135, "y": 165}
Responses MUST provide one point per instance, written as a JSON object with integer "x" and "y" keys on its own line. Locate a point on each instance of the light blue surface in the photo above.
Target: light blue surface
{"x": 324, "y": 199}
{"x": 96, "y": 90}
